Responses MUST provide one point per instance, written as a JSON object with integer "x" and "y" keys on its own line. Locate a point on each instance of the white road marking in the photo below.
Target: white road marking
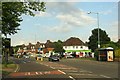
{"x": 28, "y": 73}
{"x": 67, "y": 68}
{"x": 61, "y": 71}
{"x": 40, "y": 73}
{"x": 105, "y": 76}
{"x": 71, "y": 78}
{"x": 36, "y": 73}
{"x": 25, "y": 73}
{"x": 17, "y": 69}
{"x": 46, "y": 65}
{"x": 52, "y": 67}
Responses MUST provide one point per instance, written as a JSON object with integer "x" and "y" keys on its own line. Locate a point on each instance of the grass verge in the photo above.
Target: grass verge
{"x": 7, "y": 69}
{"x": 83, "y": 58}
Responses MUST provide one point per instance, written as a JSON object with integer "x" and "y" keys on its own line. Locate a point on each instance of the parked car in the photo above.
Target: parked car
{"x": 0, "y": 56}
{"x": 68, "y": 56}
{"x": 39, "y": 57}
{"x": 26, "y": 56}
{"x": 54, "y": 58}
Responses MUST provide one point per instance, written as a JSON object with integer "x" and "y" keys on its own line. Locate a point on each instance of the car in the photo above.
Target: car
{"x": 69, "y": 56}
{"x": 54, "y": 58}
{"x": 26, "y": 56}
{"x": 39, "y": 57}
{"x": 0, "y": 56}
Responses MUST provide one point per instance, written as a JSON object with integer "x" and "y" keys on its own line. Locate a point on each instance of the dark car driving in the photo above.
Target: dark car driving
{"x": 54, "y": 58}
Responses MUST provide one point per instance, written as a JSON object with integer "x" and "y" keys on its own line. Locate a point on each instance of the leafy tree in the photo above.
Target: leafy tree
{"x": 12, "y": 16}
{"x": 12, "y": 12}
{"x": 111, "y": 44}
{"x": 93, "y": 39}
{"x": 115, "y": 46}
{"x": 58, "y": 47}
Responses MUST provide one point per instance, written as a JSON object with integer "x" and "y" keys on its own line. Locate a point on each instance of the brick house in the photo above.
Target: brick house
{"x": 41, "y": 48}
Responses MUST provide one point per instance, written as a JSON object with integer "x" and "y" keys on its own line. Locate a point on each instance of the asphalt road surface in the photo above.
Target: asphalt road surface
{"x": 66, "y": 69}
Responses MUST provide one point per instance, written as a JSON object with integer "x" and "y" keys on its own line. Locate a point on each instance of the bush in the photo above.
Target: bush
{"x": 117, "y": 53}
{"x": 96, "y": 54}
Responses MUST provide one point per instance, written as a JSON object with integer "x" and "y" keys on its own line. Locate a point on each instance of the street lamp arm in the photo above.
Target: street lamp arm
{"x": 92, "y": 13}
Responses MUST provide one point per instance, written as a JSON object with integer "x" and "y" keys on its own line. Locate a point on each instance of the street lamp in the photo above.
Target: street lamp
{"x": 98, "y": 26}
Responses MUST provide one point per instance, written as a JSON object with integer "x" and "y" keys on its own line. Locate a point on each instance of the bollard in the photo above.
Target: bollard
{"x": 37, "y": 58}
{"x": 41, "y": 59}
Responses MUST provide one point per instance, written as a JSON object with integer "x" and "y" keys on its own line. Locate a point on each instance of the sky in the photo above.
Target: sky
{"x": 62, "y": 20}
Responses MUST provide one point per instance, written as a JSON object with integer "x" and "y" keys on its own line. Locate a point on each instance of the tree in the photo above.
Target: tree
{"x": 12, "y": 12}
{"x": 58, "y": 47}
{"x": 11, "y": 17}
{"x": 93, "y": 39}
{"x": 112, "y": 44}
{"x": 115, "y": 46}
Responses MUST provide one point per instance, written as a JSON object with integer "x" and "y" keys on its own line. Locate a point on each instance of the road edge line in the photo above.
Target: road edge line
{"x": 16, "y": 70}
{"x": 105, "y": 76}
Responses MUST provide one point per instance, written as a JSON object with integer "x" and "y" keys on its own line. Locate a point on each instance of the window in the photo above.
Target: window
{"x": 76, "y": 47}
{"x": 73, "y": 46}
{"x": 65, "y": 46}
{"x": 81, "y": 46}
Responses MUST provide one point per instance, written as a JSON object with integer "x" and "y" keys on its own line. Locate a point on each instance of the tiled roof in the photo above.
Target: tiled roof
{"x": 49, "y": 44}
{"x": 73, "y": 41}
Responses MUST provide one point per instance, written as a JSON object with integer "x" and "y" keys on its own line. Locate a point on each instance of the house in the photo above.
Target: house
{"x": 74, "y": 45}
{"x": 31, "y": 48}
{"x": 22, "y": 48}
{"x": 49, "y": 47}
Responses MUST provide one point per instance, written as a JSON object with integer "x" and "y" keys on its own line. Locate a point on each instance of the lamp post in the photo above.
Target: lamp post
{"x": 98, "y": 26}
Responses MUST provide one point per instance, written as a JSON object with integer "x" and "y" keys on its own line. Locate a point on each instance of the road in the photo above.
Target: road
{"x": 98, "y": 69}
{"x": 71, "y": 69}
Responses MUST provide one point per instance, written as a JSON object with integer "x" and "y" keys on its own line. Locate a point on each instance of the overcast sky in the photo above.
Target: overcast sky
{"x": 63, "y": 20}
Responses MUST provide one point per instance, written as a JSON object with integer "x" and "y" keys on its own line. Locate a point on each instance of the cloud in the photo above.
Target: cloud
{"x": 60, "y": 29}
{"x": 42, "y": 14}
{"x": 106, "y": 12}
{"x": 114, "y": 29}
{"x": 79, "y": 19}
{"x": 68, "y": 15}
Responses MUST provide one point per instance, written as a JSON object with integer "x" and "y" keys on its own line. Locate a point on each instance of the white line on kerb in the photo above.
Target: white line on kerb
{"x": 61, "y": 71}
{"x": 71, "y": 78}
{"x": 105, "y": 76}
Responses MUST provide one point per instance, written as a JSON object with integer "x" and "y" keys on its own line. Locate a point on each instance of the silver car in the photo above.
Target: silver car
{"x": 26, "y": 56}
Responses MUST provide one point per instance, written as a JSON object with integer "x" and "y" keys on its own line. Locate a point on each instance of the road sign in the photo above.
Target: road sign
{"x": 39, "y": 49}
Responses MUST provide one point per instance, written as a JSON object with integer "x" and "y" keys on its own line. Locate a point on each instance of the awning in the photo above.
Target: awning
{"x": 77, "y": 50}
